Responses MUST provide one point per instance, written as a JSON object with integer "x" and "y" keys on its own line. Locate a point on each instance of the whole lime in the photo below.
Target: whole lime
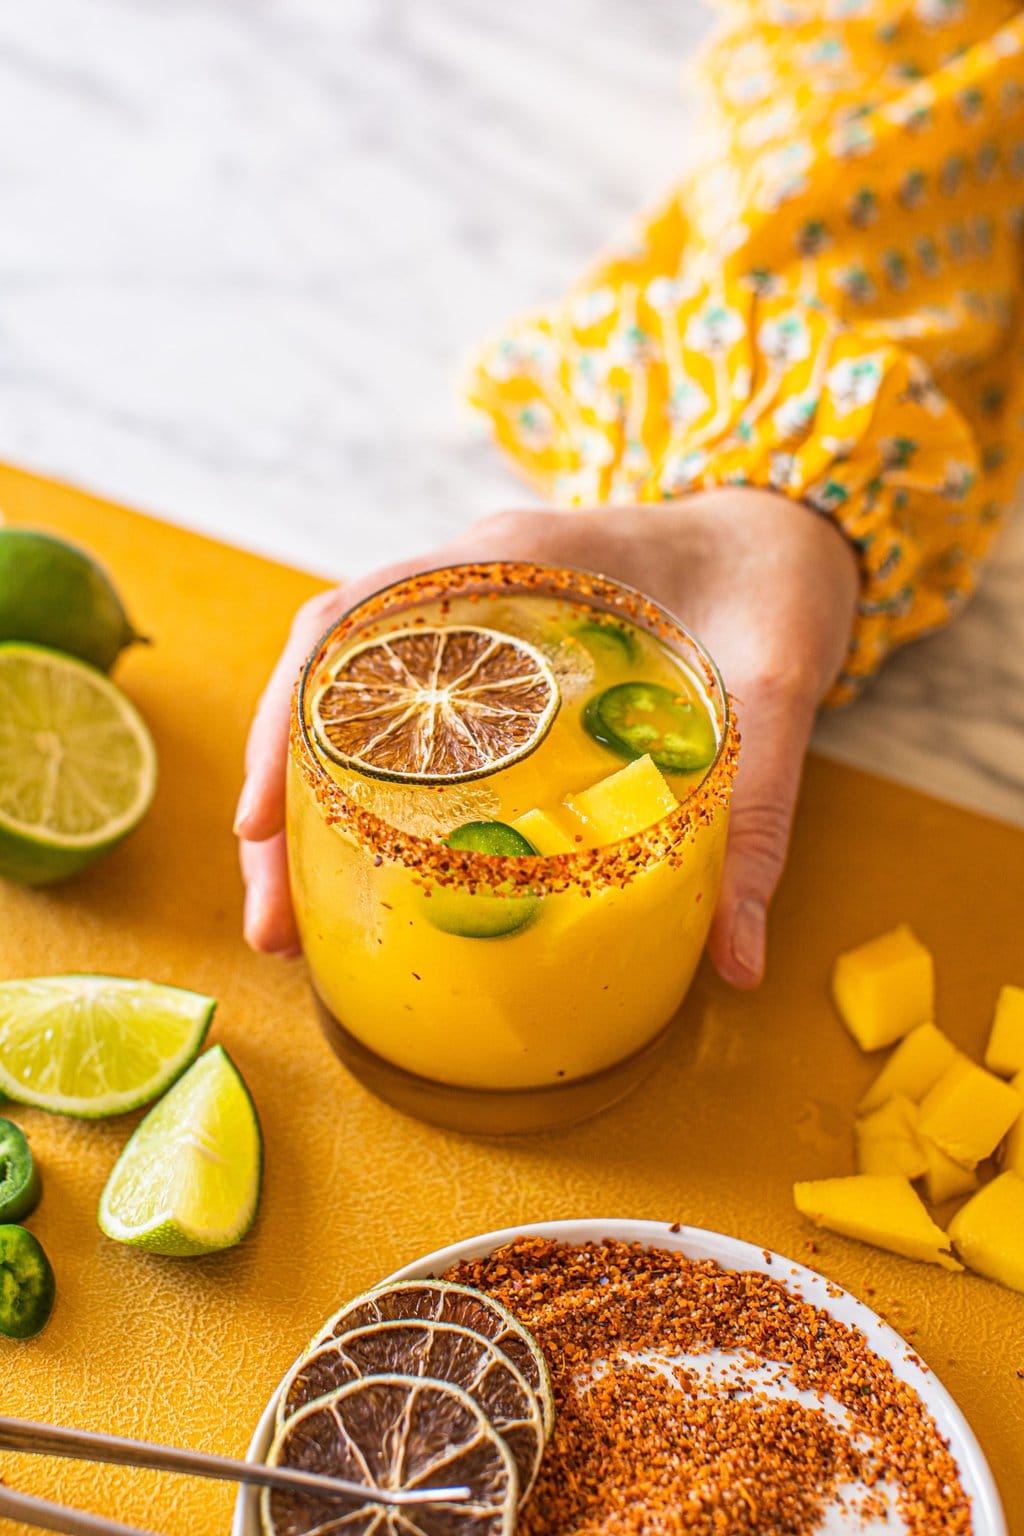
{"x": 53, "y": 594}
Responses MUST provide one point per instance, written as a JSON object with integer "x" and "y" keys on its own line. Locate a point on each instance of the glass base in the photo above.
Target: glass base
{"x": 484, "y": 1111}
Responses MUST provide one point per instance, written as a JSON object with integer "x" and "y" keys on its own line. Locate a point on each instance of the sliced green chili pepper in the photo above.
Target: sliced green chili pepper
{"x": 637, "y": 719}
{"x": 27, "y": 1286}
{"x": 19, "y": 1177}
{"x": 484, "y": 916}
{"x": 608, "y": 641}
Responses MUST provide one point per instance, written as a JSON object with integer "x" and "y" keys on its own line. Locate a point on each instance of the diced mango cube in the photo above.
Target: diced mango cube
{"x": 883, "y": 1210}
{"x": 543, "y": 830}
{"x": 1013, "y": 1147}
{"x": 968, "y": 1112}
{"x": 625, "y": 802}
{"x": 887, "y": 1140}
{"x": 989, "y": 1231}
{"x": 915, "y": 1065}
{"x": 884, "y": 988}
{"x": 1005, "y": 1050}
{"x": 943, "y": 1178}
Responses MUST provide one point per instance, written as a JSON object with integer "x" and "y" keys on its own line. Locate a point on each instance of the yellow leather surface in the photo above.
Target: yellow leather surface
{"x": 757, "y": 1090}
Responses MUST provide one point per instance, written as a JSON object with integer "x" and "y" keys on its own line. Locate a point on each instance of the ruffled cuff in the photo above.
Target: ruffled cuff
{"x": 643, "y": 392}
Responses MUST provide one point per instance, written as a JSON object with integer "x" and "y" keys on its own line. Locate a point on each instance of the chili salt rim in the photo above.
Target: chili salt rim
{"x": 613, "y": 864}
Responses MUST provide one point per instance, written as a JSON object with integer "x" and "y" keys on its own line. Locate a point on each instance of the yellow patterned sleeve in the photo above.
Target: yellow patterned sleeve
{"x": 828, "y": 304}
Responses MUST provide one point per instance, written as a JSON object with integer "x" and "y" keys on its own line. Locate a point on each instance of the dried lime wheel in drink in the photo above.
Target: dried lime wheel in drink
{"x": 442, "y": 1352}
{"x": 395, "y": 1432}
{"x": 445, "y": 1302}
{"x": 434, "y": 705}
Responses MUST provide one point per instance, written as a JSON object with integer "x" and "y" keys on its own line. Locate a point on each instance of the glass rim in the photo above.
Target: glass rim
{"x": 609, "y": 864}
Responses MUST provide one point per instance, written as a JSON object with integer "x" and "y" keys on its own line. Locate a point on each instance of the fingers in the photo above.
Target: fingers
{"x": 776, "y": 728}
{"x": 269, "y": 921}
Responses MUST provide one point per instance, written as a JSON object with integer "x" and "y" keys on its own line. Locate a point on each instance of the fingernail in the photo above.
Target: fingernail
{"x": 291, "y": 953}
{"x": 748, "y": 934}
{"x": 245, "y": 807}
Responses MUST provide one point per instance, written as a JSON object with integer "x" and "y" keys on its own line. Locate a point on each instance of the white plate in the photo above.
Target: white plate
{"x": 730, "y": 1253}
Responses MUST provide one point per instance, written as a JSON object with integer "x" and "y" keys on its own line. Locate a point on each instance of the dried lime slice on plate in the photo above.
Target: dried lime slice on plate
{"x": 394, "y": 1432}
{"x": 92, "y": 1046}
{"x": 434, "y": 705}
{"x": 77, "y": 765}
{"x": 445, "y": 1302}
{"x": 188, "y": 1180}
{"x": 442, "y": 1352}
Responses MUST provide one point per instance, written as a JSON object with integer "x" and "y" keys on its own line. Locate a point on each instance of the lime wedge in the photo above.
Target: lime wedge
{"x": 77, "y": 764}
{"x": 92, "y": 1046}
{"x": 188, "y": 1181}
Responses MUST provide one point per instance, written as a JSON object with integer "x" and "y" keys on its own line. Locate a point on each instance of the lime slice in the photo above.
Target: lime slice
{"x": 77, "y": 765}
{"x": 434, "y": 705}
{"x": 445, "y": 1302}
{"x": 394, "y": 1432}
{"x": 188, "y": 1181}
{"x": 442, "y": 1352}
{"x": 92, "y": 1046}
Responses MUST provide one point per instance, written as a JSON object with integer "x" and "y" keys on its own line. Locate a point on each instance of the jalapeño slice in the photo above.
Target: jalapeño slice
{"x": 27, "y": 1289}
{"x": 19, "y": 1177}
{"x": 647, "y": 719}
{"x": 487, "y": 915}
{"x": 608, "y": 641}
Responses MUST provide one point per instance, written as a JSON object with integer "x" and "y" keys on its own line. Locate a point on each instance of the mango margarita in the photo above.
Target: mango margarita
{"x": 507, "y": 809}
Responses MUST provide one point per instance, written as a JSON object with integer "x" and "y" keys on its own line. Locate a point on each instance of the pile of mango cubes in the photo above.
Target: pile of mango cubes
{"x": 932, "y": 1117}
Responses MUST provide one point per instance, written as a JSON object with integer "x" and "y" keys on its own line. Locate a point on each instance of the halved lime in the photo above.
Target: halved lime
{"x": 92, "y": 1046}
{"x": 445, "y": 1302}
{"x": 77, "y": 765}
{"x": 484, "y": 915}
{"x": 442, "y": 1352}
{"x": 394, "y": 1432}
{"x": 188, "y": 1181}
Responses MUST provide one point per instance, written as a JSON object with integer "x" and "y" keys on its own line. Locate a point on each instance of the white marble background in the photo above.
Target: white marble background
{"x": 245, "y": 243}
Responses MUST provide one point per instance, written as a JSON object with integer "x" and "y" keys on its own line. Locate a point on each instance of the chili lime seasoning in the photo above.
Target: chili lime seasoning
{"x": 656, "y": 1444}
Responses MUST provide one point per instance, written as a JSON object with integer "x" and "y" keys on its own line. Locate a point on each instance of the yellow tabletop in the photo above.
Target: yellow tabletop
{"x": 757, "y": 1090}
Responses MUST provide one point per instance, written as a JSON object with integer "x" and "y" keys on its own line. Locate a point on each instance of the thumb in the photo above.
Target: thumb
{"x": 775, "y": 732}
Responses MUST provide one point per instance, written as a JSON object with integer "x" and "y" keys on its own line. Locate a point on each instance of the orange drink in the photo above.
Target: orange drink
{"x": 507, "y": 810}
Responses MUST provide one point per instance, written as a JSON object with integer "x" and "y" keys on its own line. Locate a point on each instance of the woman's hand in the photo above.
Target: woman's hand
{"x": 767, "y": 585}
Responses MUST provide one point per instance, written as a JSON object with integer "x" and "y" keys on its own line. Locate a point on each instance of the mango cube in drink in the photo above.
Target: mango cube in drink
{"x": 968, "y": 1112}
{"x": 625, "y": 802}
{"x": 1005, "y": 1050}
{"x": 887, "y": 1140}
{"x": 915, "y": 1065}
{"x": 545, "y": 833}
{"x": 885, "y": 988}
{"x": 943, "y": 1178}
{"x": 1013, "y": 1147}
{"x": 989, "y": 1231}
{"x": 882, "y": 1210}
